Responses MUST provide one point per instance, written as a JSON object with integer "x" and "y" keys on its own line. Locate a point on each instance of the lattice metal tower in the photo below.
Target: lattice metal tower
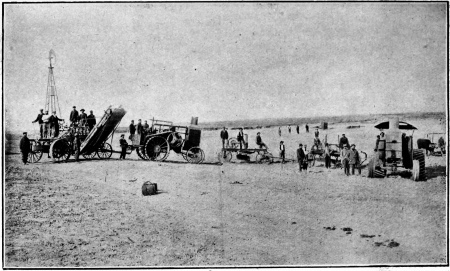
{"x": 51, "y": 101}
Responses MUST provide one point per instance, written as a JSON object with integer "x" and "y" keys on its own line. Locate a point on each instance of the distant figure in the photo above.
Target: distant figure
{"x": 123, "y": 145}
{"x": 279, "y": 131}
{"x": 146, "y": 127}
{"x": 343, "y": 141}
{"x": 327, "y": 156}
{"x": 298, "y": 129}
{"x": 132, "y": 130}
{"x": 382, "y": 137}
{"x": 46, "y": 120}
{"x": 259, "y": 141}
{"x": 307, "y": 128}
{"x": 345, "y": 153}
{"x": 316, "y": 133}
{"x": 282, "y": 151}
{"x": 25, "y": 147}
{"x": 441, "y": 145}
{"x": 353, "y": 158}
{"x": 54, "y": 124}
{"x": 289, "y": 128}
{"x": 91, "y": 120}
{"x": 240, "y": 138}
{"x": 300, "y": 156}
{"x": 40, "y": 122}
{"x": 73, "y": 116}
{"x": 224, "y": 137}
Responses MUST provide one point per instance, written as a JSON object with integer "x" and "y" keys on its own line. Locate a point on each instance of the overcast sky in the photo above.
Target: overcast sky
{"x": 226, "y": 61}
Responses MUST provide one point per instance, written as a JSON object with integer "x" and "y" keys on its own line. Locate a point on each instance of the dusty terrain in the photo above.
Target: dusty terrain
{"x": 92, "y": 213}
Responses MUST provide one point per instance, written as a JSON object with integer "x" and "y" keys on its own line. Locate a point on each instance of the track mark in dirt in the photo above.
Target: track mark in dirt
{"x": 388, "y": 243}
{"x": 367, "y": 236}
{"x": 330, "y": 228}
{"x": 347, "y": 229}
{"x": 236, "y": 182}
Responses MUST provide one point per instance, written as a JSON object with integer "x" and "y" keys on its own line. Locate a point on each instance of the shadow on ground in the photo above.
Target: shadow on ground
{"x": 436, "y": 171}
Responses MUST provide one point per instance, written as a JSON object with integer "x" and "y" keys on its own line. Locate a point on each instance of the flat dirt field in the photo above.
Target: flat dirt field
{"x": 92, "y": 213}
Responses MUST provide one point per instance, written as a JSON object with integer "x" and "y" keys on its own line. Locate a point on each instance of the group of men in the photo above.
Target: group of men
{"x": 81, "y": 120}
{"x": 297, "y": 129}
{"x": 139, "y": 128}
{"x": 48, "y": 124}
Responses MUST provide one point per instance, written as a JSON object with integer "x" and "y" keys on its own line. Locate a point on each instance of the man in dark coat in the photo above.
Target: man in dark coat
{"x": 54, "y": 124}
{"x": 25, "y": 147}
{"x": 41, "y": 122}
{"x": 316, "y": 133}
{"x": 91, "y": 121}
{"x": 224, "y": 137}
{"x": 298, "y": 129}
{"x": 240, "y": 138}
{"x": 132, "y": 130}
{"x": 73, "y": 116}
{"x": 353, "y": 159}
{"x": 300, "y": 156}
{"x": 146, "y": 127}
{"x": 123, "y": 145}
{"x": 259, "y": 141}
{"x": 307, "y": 128}
{"x": 139, "y": 127}
{"x": 343, "y": 141}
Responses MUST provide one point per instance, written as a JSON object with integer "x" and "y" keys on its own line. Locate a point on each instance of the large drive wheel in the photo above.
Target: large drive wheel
{"x": 141, "y": 153}
{"x": 195, "y": 155}
{"x": 374, "y": 171}
{"x": 233, "y": 143}
{"x": 35, "y": 151}
{"x": 223, "y": 156}
{"x": 419, "y": 173}
{"x": 105, "y": 151}
{"x": 157, "y": 148}
{"x": 60, "y": 150}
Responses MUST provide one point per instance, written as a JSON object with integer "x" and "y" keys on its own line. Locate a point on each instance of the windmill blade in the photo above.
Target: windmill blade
{"x": 52, "y": 57}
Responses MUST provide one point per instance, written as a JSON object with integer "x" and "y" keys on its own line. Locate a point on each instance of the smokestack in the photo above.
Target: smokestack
{"x": 194, "y": 121}
{"x": 394, "y": 123}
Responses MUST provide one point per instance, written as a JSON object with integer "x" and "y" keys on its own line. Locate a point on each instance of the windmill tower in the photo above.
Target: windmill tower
{"x": 51, "y": 100}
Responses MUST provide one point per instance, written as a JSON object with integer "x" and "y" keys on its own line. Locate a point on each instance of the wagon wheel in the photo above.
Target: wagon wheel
{"x": 264, "y": 158}
{"x": 233, "y": 143}
{"x": 157, "y": 148}
{"x": 224, "y": 156}
{"x": 35, "y": 152}
{"x": 105, "y": 151}
{"x": 89, "y": 155}
{"x": 195, "y": 155}
{"x": 60, "y": 150}
{"x": 141, "y": 153}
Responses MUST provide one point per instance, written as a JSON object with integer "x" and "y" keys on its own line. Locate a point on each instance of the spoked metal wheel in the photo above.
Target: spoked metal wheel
{"x": 90, "y": 155}
{"x": 157, "y": 148}
{"x": 105, "y": 151}
{"x": 224, "y": 156}
{"x": 35, "y": 152}
{"x": 233, "y": 143}
{"x": 60, "y": 150}
{"x": 141, "y": 153}
{"x": 195, "y": 155}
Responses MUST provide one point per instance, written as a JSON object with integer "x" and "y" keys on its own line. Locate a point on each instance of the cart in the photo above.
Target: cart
{"x": 226, "y": 154}
{"x": 90, "y": 144}
{"x": 156, "y": 143}
{"x": 435, "y": 148}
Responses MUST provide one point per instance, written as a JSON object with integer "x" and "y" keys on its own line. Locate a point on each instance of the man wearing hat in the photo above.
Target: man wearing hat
{"x": 41, "y": 123}
{"x": 124, "y": 146}
{"x": 345, "y": 155}
{"x": 24, "y": 147}
{"x": 73, "y": 116}
{"x": 91, "y": 120}
{"x": 54, "y": 124}
{"x": 46, "y": 121}
{"x": 132, "y": 130}
{"x": 300, "y": 156}
{"x": 353, "y": 158}
{"x": 343, "y": 141}
{"x": 259, "y": 141}
{"x": 240, "y": 138}
{"x": 82, "y": 118}
{"x": 282, "y": 151}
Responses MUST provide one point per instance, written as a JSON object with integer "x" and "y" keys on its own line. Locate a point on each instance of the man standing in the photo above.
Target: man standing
{"x": 139, "y": 127}
{"x": 307, "y": 128}
{"x": 54, "y": 124}
{"x": 240, "y": 138}
{"x": 316, "y": 133}
{"x": 46, "y": 121}
{"x": 259, "y": 141}
{"x": 343, "y": 141}
{"x": 353, "y": 158}
{"x": 91, "y": 121}
{"x": 327, "y": 156}
{"x": 40, "y": 122}
{"x": 24, "y": 147}
{"x": 146, "y": 126}
{"x": 123, "y": 146}
{"x": 282, "y": 151}
{"x": 279, "y": 131}
{"x": 224, "y": 137}
{"x": 300, "y": 156}
{"x": 298, "y": 129}
{"x": 345, "y": 155}
{"x": 289, "y": 128}
{"x": 132, "y": 130}
{"x": 73, "y": 116}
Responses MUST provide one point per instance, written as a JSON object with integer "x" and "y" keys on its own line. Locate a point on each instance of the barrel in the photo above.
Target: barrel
{"x": 149, "y": 188}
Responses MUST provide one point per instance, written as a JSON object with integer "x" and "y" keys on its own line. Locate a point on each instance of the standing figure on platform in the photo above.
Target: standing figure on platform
{"x": 73, "y": 116}
{"x": 91, "y": 121}
{"x": 54, "y": 124}
{"x": 40, "y": 122}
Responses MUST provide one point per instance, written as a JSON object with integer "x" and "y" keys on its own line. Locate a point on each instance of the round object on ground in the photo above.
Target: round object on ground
{"x": 105, "y": 151}
{"x": 59, "y": 150}
{"x": 157, "y": 148}
{"x": 195, "y": 155}
{"x": 419, "y": 156}
{"x": 90, "y": 155}
{"x": 149, "y": 188}
{"x": 35, "y": 152}
{"x": 223, "y": 156}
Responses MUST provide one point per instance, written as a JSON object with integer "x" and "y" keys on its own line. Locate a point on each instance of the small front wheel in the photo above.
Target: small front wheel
{"x": 105, "y": 151}
{"x": 195, "y": 155}
{"x": 224, "y": 156}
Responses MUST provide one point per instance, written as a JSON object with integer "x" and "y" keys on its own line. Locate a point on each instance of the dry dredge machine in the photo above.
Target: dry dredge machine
{"x": 394, "y": 152}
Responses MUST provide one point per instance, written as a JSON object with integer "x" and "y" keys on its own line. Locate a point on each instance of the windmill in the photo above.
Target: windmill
{"x": 51, "y": 101}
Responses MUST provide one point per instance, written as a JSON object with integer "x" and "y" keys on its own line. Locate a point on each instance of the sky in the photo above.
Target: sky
{"x": 225, "y": 61}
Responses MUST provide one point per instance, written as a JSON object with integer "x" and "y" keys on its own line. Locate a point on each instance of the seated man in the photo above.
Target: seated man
{"x": 316, "y": 142}
{"x": 259, "y": 141}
